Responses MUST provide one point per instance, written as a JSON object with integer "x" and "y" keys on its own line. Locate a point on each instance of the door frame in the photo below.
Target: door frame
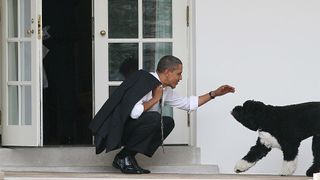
{"x": 98, "y": 25}
{"x": 191, "y": 89}
{"x": 1, "y": 65}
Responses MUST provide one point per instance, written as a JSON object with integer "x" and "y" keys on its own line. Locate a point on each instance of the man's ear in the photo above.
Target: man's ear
{"x": 166, "y": 72}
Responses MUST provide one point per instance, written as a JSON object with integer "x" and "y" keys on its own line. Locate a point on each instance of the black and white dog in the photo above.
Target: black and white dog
{"x": 282, "y": 127}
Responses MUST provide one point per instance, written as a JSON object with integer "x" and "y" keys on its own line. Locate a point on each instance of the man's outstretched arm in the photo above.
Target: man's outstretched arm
{"x": 222, "y": 90}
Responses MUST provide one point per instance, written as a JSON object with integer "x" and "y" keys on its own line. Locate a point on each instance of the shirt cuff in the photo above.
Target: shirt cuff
{"x": 137, "y": 111}
{"x": 194, "y": 102}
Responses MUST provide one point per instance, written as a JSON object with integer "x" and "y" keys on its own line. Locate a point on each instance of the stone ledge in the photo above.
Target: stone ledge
{"x": 176, "y": 169}
{"x": 85, "y": 156}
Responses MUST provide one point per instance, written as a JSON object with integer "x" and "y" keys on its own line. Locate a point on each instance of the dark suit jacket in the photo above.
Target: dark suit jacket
{"x": 108, "y": 124}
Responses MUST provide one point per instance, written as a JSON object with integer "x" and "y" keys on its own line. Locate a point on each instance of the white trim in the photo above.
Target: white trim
{"x": 140, "y": 34}
{"x": 100, "y": 23}
{"x": 1, "y": 65}
{"x": 39, "y": 85}
{"x": 19, "y": 83}
{"x": 192, "y": 69}
{"x": 4, "y": 67}
{"x": 140, "y": 40}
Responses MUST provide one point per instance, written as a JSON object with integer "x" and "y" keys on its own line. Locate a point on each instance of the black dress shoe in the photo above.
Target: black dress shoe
{"x": 126, "y": 165}
{"x": 135, "y": 163}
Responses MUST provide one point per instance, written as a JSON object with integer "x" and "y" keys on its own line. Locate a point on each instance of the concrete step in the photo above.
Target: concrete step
{"x": 175, "y": 159}
{"x": 108, "y": 176}
{"x": 173, "y": 169}
{"x": 85, "y": 156}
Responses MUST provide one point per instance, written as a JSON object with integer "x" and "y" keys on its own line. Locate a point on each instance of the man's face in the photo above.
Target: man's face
{"x": 174, "y": 76}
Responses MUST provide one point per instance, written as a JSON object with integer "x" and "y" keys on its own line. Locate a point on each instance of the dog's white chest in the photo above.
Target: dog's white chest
{"x": 268, "y": 140}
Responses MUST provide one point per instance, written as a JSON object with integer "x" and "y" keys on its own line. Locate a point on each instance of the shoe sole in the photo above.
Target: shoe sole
{"x": 115, "y": 165}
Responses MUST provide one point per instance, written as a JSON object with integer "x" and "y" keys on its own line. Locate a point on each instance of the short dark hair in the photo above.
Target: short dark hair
{"x": 168, "y": 62}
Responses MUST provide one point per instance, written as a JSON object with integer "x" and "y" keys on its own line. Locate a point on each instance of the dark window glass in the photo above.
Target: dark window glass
{"x": 123, "y": 60}
{"x": 123, "y": 18}
{"x": 152, "y": 52}
{"x": 157, "y": 18}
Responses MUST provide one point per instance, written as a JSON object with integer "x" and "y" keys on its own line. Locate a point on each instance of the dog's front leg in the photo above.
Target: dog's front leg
{"x": 290, "y": 159}
{"x": 256, "y": 153}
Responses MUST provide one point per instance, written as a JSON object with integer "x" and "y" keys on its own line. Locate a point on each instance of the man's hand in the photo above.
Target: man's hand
{"x": 157, "y": 92}
{"x": 222, "y": 90}
{"x": 156, "y": 96}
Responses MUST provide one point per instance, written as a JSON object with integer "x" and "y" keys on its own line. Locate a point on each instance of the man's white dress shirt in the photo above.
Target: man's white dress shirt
{"x": 169, "y": 97}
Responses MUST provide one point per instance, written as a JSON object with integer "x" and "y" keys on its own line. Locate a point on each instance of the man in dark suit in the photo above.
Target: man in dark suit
{"x": 133, "y": 113}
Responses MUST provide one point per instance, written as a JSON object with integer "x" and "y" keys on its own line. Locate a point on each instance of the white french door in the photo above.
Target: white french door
{"x": 21, "y": 72}
{"x": 135, "y": 34}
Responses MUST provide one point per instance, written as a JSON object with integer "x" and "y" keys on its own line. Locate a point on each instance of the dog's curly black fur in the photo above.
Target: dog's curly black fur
{"x": 282, "y": 127}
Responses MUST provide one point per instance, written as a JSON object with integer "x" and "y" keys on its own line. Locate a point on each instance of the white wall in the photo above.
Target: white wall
{"x": 270, "y": 51}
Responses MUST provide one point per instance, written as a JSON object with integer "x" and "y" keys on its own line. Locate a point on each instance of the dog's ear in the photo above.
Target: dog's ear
{"x": 254, "y": 112}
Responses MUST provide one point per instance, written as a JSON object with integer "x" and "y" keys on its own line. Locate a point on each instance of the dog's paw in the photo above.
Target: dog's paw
{"x": 243, "y": 166}
{"x": 315, "y": 168}
{"x": 288, "y": 167}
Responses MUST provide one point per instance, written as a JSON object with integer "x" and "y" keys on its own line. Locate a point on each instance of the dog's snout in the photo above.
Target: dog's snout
{"x": 236, "y": 110}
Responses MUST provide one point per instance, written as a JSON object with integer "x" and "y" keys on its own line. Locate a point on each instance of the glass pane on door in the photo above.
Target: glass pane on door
{"x": 12, "y": 18}
{"x": 13, "y": 61}
{"x": 123, "y": 18}
{"x": 13, "y": 105}
{"x": 25, "y": 18}
{"x": 25, "y": 51}
{"x": 26, "y": 108}
{"x": 152, "y": 52}
{"x": 123, "y": 60}
{"x": 157, "y": 18}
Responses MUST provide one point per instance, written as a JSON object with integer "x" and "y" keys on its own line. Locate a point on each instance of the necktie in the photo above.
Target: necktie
{"x": 161, "y": 104}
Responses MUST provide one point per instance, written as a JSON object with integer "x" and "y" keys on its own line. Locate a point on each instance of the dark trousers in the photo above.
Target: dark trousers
{"x": 143, "y": 135}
